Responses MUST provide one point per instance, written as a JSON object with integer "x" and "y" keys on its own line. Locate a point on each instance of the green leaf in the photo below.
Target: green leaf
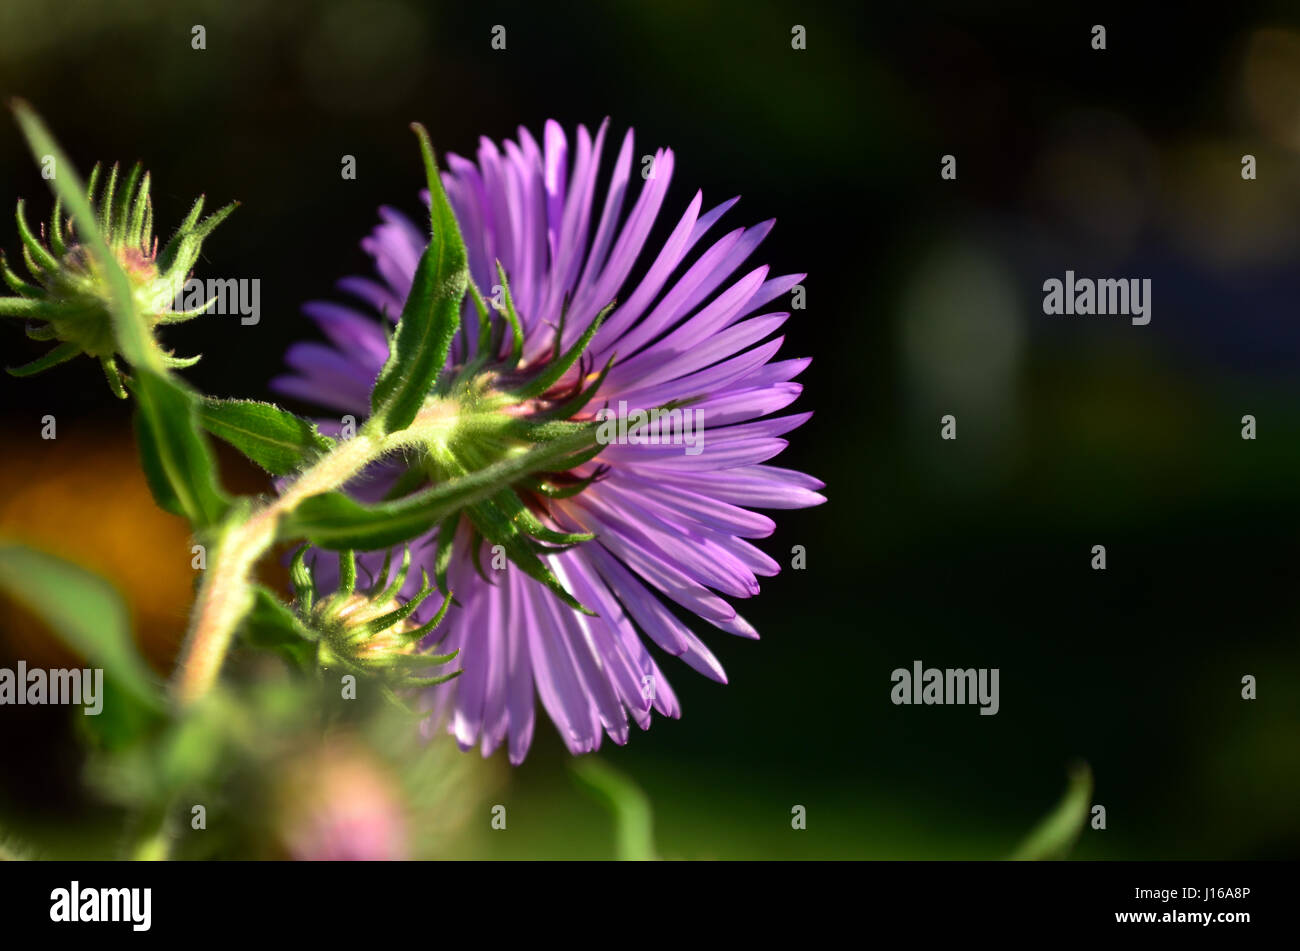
{"x": 154, "y": 473}
{"x": 1054, "y": 837}
{"x": 124, "y": 721}
{"x": 85, "y": 612}
{"x": 272, "y": 624}
{"x": 431, "y": 315}
{"x": 176, "y": 458}
{"x": 629, "y": 806}
{"x": 335, "y": 521}
{"x": 133, "y": 336}
{"x": 275, "y": 439}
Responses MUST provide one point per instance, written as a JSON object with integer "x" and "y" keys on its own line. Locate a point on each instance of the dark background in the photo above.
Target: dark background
{"x": 923, "y": 299}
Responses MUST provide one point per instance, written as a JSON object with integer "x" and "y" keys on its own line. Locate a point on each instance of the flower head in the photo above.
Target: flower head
{"x": 558, "y": 579}
{"x": 370, "y": 632}
{"x": 70, "y": 300}
{"x": 338, "y": 802}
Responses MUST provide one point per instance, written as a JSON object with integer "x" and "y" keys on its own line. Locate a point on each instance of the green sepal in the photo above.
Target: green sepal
{"x": 105, "y": 216}
{"x": 578, "y": 458}
{"x": 16, "y": 283}
{"x": 179, "y": 255}
{"x": 484, "y": 320}
{"x": 397, "y": 616}
{"x": 92, "y": 183}
{"x": 495, "y": 524}
{"x": 553, "y": 491}
{"x": 136, "y": 235}
{"x": 114, "y": 377}
{"x": 180, "y": 363}
{"x": 55, "y": 236}
{"x": 121, "y": 210}
{"x": 304, "y": 584}
{"x": 431, "y": 681}
{"x": 27, "y": 308}
{"x": 425, "y": 629}
{"x": 380, "y": 580}
{"x": 37, "y": 332}
{"x": 60, "y": 354}
{"x": 556, "y": 369}
{"x": 516, "y": 328}
{"x": 546, "y": 431}
{"x": 530, "y": 524}
{"x": 391, "y": 589}
{"x": 476, "y": 542}
{"x": 584, "y": 395}
{"x": 424, "y": 659}
{"x": 41, "y": 259}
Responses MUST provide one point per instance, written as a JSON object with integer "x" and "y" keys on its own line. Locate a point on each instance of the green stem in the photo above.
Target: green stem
{"x": 225, "y": 595}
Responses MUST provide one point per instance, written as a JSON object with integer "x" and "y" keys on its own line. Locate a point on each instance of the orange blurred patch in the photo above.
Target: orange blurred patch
{"x": 83, "y": 497}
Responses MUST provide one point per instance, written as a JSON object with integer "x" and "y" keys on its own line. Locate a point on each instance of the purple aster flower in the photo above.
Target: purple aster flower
{"x": 671, "y": 522}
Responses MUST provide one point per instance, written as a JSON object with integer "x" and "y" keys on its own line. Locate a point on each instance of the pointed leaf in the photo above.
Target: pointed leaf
{"x": 174, "y": 452}
{"x": 275, "y": 439}
{"x": 430, "y": 316}
{"x": 85, "y": 612}
{"x": 1055, "y": 836}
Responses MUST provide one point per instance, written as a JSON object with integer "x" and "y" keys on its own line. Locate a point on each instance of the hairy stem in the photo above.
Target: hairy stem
{"x": 225, "y": 596}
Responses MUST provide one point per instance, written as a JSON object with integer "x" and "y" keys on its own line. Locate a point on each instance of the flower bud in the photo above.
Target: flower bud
{"x": 371, "y": 632}
{"x": 68, "y": 299}
{"x": 340, "y": 803}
